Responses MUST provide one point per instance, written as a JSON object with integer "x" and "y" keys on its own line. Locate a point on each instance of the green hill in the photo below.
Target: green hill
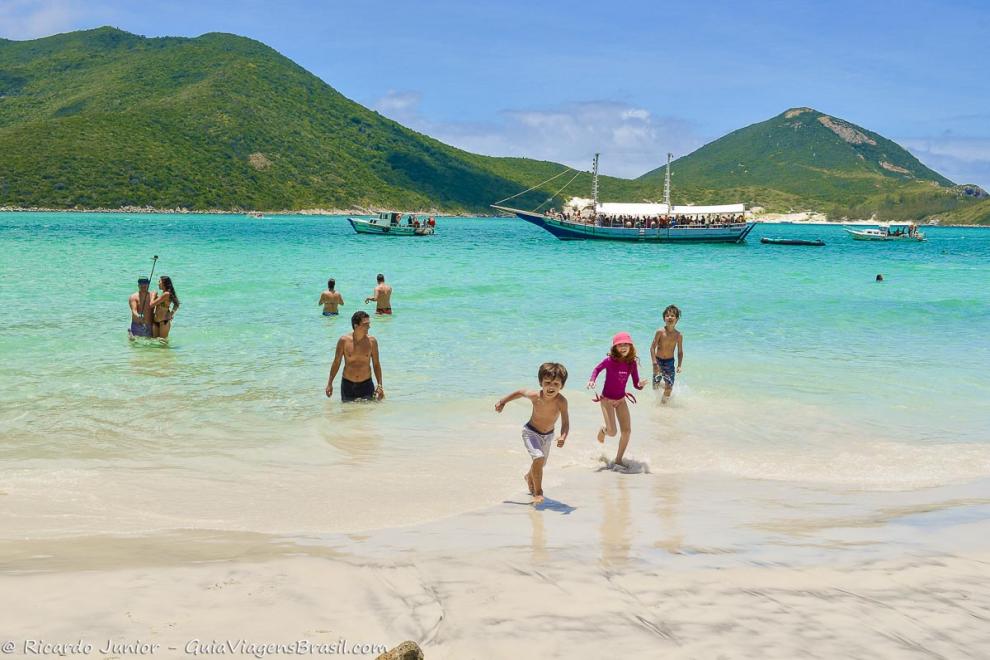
{"x": 972, "y": 214}
{"x": 105, "y": 118}
{"x": 802, "y": 159}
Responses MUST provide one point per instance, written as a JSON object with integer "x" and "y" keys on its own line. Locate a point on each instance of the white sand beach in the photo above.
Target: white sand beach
{"x": 615, "y": 565}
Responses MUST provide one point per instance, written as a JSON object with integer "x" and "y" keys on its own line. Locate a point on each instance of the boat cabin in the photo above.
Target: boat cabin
{"x": 394, "y": 219}
{"x": 387, "y": 218}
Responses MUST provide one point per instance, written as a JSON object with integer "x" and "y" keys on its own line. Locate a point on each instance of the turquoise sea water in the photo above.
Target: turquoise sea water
{"x": 798, "y": 365}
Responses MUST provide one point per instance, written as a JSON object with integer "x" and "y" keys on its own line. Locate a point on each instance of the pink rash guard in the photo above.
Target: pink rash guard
{"x": 616, "y": 374}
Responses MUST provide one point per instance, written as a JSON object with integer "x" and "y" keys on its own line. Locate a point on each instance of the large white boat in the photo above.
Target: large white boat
{"x": 888, "y": 231}
{"x": 643, "y": 222}
{"x": 390, "y": 223}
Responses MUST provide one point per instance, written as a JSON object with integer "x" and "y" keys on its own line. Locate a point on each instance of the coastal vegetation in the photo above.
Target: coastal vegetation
{"x": 971, "y": 214}
{"x": 104, "y": 118}
{"x": 805, "y": 159}
{"x": 107, "y": 119}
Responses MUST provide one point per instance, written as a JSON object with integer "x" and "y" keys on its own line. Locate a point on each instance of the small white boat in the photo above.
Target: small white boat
{"x": 891, "y": 231}
{"x": 390, "y": 223}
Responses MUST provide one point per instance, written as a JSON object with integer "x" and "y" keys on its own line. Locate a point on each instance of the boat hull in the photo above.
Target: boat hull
{"x": 566, "y": 230}
{"x": 791, "y": 241}
{"x": 365, "y": 227}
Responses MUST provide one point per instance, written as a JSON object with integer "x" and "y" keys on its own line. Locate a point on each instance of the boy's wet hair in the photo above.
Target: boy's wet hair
{"x": 357, "y": 317}
{"x": 553, "y": 371}
{"x": 331, "y": 283}
{"x": 674, "y": 309}
{"x": 380, "y": 278}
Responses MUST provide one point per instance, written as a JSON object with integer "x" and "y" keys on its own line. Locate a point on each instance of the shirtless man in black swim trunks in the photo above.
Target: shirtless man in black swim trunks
{"x": 360, "y": 353}
{"x": 382, "y": 297}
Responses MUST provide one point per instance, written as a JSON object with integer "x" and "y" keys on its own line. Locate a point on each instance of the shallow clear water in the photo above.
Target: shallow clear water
{"x": 798, "y": 366}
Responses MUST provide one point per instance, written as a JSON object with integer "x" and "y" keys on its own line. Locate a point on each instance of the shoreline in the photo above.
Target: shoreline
{"x": 440, "y": 214}
{"x": 867, "y": 223}
{"x": 149, "y": 210}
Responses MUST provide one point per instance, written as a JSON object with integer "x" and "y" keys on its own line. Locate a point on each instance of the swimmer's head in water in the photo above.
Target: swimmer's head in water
{"x": 552, "y": 372}
{"x": 381, "y": 278}
{"x": 358, "y": 318}
{"x": 331, "y": 283}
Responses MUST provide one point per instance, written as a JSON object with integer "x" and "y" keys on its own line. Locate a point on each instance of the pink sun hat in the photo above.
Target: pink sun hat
{"x": 621, "y": 338}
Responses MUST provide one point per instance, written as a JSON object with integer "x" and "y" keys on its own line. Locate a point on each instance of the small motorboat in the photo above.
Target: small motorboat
{"x": 791, "y": 241}
{"x": 893, "y": 231}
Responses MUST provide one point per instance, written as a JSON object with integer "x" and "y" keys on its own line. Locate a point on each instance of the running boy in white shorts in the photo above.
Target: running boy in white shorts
{"x": 537, "y": 433}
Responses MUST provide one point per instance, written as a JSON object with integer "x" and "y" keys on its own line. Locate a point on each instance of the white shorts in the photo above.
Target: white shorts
{"x": 537, "y": 444}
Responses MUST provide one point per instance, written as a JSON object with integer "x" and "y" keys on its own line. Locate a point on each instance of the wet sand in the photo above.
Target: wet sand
{"x": 614, "y": 565}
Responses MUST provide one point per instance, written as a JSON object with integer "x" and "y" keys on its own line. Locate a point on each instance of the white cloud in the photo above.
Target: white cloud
{"x": 30, "y": 19}
{"x": 962, "y": 159}
{"x": 395, "y": 104}
{"x": 632, "y": 140}
{"x": 636, "y": 113}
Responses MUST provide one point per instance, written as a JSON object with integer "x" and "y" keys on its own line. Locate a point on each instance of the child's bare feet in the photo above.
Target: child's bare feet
{"x": 601, "y": 435}
{"x": 529, "y": 482}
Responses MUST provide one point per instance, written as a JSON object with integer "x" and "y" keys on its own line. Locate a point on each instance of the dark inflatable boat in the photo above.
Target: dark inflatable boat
{"x": 791, "y": 241}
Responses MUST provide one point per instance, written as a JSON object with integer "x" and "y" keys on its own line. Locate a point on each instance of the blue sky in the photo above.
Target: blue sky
{"x": 561, "y": 80}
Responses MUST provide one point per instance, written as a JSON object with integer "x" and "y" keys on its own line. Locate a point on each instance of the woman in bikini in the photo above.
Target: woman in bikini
{"x": 165, "y": 304}
{"x": 618, "y": 365}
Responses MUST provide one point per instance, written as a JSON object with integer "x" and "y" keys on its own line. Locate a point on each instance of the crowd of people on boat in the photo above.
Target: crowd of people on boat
{"x": 910, "y": 230}
{"x": 650, "y": 222}
{"x": 411, "y": 220}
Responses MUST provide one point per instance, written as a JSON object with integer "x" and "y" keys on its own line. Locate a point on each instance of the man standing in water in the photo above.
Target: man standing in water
{"x": 382, "y": 297}
{"x": 140, "y": 303}
{"x": 331, "y": 299}
{"x": 360, "y": 353}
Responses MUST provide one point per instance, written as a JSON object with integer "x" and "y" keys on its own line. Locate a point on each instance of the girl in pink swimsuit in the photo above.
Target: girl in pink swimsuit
{"x": 619, "y": 365}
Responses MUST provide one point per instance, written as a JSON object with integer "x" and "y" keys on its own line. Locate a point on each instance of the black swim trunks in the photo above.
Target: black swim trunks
{"x": 351, "y": 391}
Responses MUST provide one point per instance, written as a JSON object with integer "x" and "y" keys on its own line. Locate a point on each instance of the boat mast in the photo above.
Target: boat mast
{"x": 666, "y": 184}
{"x": 594, "y": 184}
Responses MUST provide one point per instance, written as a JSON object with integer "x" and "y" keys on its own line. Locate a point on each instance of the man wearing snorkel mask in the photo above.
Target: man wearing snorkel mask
{"x": 140, "y": 310}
